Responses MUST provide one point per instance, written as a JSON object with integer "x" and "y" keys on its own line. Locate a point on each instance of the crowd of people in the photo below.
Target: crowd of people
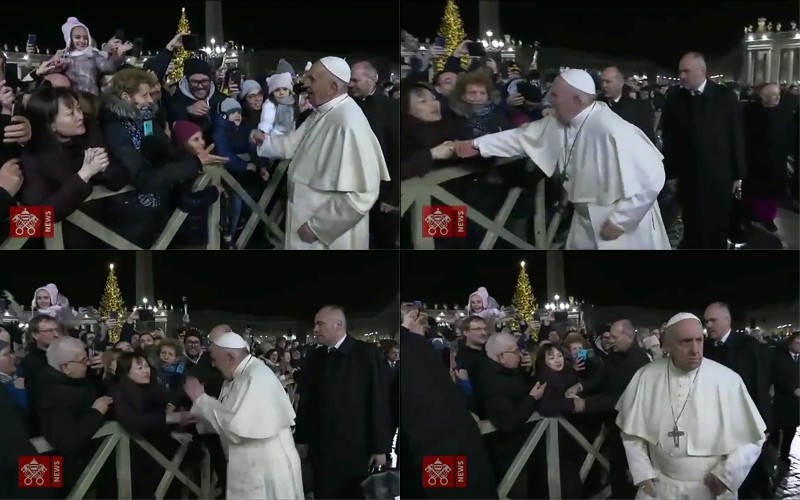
{"x": 676, "y": 193}
{"x": 288, "y": 420}
{"x": 616, "y": 380}
{"x": 85, "y": 118}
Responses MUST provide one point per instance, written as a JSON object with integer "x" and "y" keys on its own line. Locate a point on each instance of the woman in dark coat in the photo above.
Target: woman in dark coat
{"x": 551, "y": 368}
{"x": 141, "y": 407}
{"x": 56, "y": 166}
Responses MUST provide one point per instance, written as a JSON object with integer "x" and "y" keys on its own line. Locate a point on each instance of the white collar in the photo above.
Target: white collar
{"x": 580, "y": 117}
{"x": 242, "y": 365}
{"x": 680, "y": 373}
{"x": 617, "y": 99}
{"x": 330, "y": 104}
{"x": 699, "y": 89}
{"x": 339, "y": 344}
{"x": 724, "y": 338}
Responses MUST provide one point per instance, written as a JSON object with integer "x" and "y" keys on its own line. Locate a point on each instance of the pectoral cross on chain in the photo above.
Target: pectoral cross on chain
{"x": 676, "y": 435}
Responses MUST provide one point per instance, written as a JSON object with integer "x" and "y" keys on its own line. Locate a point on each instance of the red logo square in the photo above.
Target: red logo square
{"x": 438, "y": 471}
{"x": 41, "y": 471}
{"x": 25, "y": 221}
{"x": 444, "y": 221}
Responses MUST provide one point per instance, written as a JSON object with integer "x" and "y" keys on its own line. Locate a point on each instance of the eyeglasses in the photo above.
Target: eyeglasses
{"x": 193, "y": 342}
{"x": 82, "y": 361}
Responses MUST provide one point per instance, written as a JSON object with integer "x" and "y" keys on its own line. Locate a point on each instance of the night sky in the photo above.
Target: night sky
{"x": 261, "y": 25}
{"x": 666, "y": 280}
{"x": 660, "y": 31}
{"x": 263, "y": 283}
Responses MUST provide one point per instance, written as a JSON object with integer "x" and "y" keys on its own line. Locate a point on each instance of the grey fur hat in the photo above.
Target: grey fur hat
{"x": 285, "y": 67}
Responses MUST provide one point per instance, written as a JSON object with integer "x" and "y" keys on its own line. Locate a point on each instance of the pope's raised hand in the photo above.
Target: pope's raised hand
{"x": 194, "y": 389}
{"x": 465, "y": 149}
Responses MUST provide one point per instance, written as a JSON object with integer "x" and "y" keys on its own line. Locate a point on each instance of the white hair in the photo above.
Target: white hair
{"x": 585, "y": 97}
{"x": 63, "y": 350}
{"x": 368, "y": 68}
{"x": 341, "y": 85}
{"x": 499, "y": 343}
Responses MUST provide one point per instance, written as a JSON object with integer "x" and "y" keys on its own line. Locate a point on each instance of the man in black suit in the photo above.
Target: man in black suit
{"x": 343, "y": 423}
{"x": 393, "y": 365}
{"x": 752, "y": 361}
{"x": 786, "y": 404}
{"x": 615, "y": 94}
{"x": 383, "y": 114}
{"x": 703, "y": 150}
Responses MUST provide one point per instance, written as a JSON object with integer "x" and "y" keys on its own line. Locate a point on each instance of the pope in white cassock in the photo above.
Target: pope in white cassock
{"x": 689, "y": 427}
{"x": 336, "y": 169}
{"x": 611, "y": 171}
{"x": 254, "y": 419}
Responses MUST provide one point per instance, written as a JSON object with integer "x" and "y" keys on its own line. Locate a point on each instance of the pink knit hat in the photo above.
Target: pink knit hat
{"x": 67, "y": 27}
{"x": 183, "y": 130}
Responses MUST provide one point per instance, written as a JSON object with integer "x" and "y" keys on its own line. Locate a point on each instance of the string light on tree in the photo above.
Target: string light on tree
{"x": 452, "y": 29}
{"x": 523, "y": 300}
{"x": 180, "y": 55}
{"x": 112, "y": 303}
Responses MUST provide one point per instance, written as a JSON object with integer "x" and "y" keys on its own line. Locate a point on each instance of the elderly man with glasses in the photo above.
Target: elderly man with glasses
{"x": 71, "y": 410}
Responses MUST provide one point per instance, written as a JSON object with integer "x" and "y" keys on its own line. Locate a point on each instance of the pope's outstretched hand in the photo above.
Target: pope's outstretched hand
{"x": 465, "y": 149}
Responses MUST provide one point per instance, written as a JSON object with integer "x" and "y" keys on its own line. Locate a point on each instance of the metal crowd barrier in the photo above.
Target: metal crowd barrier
{"x": 115, "y": 439}
{"x": 548, "y": 427}
{"x": 420, "y": 191}
{"x": 213, "y": 175}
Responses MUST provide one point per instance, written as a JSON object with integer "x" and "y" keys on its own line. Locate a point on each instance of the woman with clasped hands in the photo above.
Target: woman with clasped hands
{"x": 427, "y": 139}
{"x": 65, "y": 159}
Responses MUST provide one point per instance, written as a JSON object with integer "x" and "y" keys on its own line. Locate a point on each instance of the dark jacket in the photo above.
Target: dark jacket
{"x": 752, "y": 360}
{"x": 68, "y": 420}
{"x": 602, "y": 393}
{"x": 14, "y": 443}
{"x": 635, "y": 112}
{"x": 154, "y": 167}
{"x": 770, "y": 137}
{"x": 141, "y": 410}
{"x": 183, "y": 98}
{"x": 207, "y": 374}
{"x": 505, "y": 396}
{"x": 51, "y": 177}
{"x": 346, "y": 387}
{"x": 383, "y": 114}
{"x": 703, "y": 147}
{"x": 148, "y": 175}
{"x": 34, "y": 366}
{"x": 418, "y": 138}
{"x": 786, "y": 379}
{"x": 434, "y": 420}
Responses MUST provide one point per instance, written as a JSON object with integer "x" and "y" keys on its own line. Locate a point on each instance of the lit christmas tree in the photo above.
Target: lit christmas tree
{"x": 452, "y": 29}
{"x": 179, "y": 55}
{"x": 524, "y": 301}
{"x": 112, "y": 303}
